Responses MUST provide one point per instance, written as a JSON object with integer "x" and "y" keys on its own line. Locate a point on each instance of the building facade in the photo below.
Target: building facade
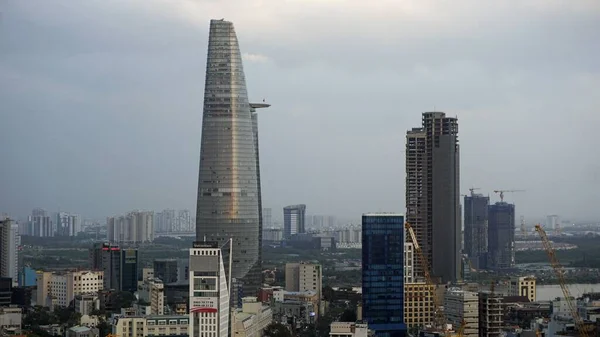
{"x": 523, "y": 286}
{"x": 348, "y": 329}
{"x": 39, "y": 224}
{"x": 418, "y": 304}
{"x": 501, "y": 236}
{"x": 476, "y": 227}
{"x": 294, "y": 220}
{"x": 304, "y": 277}
{"x": 433, "y": 210}
{"x": 67, "y": 224}
{"x": 120, "y": 266}
{"x": 135, "y": 227}
{"x": 155, "y": 325}
{"x": 10, "y": 240}
{"x": 60, "y": 288}
{"x": 251, "y": 319}
{"x": 462, "y": 308}
{"x": 383, "y": 273}
{"x": 228, "y": 188}
{"x": 491, "y": 314}
{"x": 409, "y": 263}
{"x": 209, "y": 292}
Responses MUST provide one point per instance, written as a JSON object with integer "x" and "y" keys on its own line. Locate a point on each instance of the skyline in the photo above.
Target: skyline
{"x": 526, "y": 104}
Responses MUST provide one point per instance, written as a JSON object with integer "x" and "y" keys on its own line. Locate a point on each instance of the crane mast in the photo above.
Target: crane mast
{"x": 439, "y": 320}
{"x": 560, "y": 275}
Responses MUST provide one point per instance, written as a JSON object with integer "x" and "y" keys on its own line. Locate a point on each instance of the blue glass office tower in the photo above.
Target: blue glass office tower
{"x": 383, "y": 273}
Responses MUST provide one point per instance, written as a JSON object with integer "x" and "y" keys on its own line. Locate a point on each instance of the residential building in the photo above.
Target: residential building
{"x": 272, "y": 235}
{"x": 409, "y": 263}
{"x": 304, "y": 277}
{"x": 208, "y": 291}
{"x": 82, "y": 331}
{"x": 155, "y": 325}
{"x": 171, "y": 221}
{"x": 267, "y": 216}
{"x": 10, "y": 240}
{"x": 476, "y": 227}
{"x": 120, "y": 266}
{"x": 40, "y": 224}
{"x": 433, "y": 209}
{"x": 228, "y": 184}
{"x": 152, "y": 291}
{"x": 60, "y": 288}
{"x": 184, "y": 221}
{"x": 85, "y": 304}
{"x": 418, "y": 304}
{"x": 294, "y": 221}
{"x": 251, "y": 319}
{"x": 67, "y": 224}
{"x": 501, "y": 235}
{"x": 462, "y": 309}
{"x": 491, "y": 314}
{"x": 348, "y": 329}
{"x": 553, "y": 222}
{"x": 523, "y": 286}
{"x": 383, "y": 273}
{"x": 135, "y": 227}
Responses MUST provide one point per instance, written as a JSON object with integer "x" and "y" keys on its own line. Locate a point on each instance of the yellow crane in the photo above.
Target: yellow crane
{"x": 439, "y": 319}
{"x": 461, "y": 329}
{"x": 560, "y": 275}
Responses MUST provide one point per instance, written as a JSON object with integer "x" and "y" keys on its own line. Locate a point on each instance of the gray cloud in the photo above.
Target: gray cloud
{"x": 101, "y": 102}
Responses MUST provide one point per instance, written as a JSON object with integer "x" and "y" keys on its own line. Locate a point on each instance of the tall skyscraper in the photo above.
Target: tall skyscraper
{"x": 228, "y": 181}
{"x": 209, "y": 294}
{"x": 476, "y": 227}
{"x": 432, "y": 193}
{"x": 10, "y": 240}
{"x": 501, "y": 235}
{"x": 294, "y": 220}
{"x": 383, "y": 273}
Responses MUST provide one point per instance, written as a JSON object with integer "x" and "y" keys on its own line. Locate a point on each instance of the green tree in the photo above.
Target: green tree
{"x": 277, "y": 330}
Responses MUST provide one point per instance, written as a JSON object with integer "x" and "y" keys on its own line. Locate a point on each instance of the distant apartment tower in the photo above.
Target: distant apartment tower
{"x": 209, "y": 293}
{"x": 135, "y": 227}
{"x": 553, "y": 222}
{"x": 67, "y": 224}
{"x": 294, "y": 220}
{"x": 165, "y": 221}
{"x": 501, "y": 235}
{"x": 462, "y": 306}
{"x": 119, "y": 266}
{"x": 304, "y": 277}
{"x": 10, "y": 240}
{"x": 476, "y": 226}
{"x": 40, "y": 224}
{"x": 432, "y": 192}
{"x": 267, "y": 216}
{"x": 383, "y": 273}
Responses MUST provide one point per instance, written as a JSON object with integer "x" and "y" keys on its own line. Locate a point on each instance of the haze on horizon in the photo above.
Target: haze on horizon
{"x": 101, "y": 101}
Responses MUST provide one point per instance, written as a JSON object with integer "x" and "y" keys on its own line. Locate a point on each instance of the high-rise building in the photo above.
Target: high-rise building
{"x": 209, "y": 293}
{"x": 10, "y": 240}
{"x": 267, "y": 217}
{"x": 476, "y": 226}
{"x": 135, "y": 227}
{"x": 432, "y": 193}
{"x": 461, "y": 307}
{"x": 228, "y": 183}
{"x": 67, "y": 224}
{"x": 501, "y": 235}
{"x": 383, "y": 273}
{"x": 294, "y": 220}
{"x": 553, "y": 222}
{"x": 119, "y": 266}
{"x": 40, "y": 224}
{"x": 165, "y": 221}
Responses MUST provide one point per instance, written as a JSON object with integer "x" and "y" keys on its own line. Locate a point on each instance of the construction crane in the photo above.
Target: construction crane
{"x": 560, "y": 275}
{"x": 461, "y": 329}
{"x": 501, "y": 192}
{"x": 473, "y": 189}
{"x": 439, "y": 319}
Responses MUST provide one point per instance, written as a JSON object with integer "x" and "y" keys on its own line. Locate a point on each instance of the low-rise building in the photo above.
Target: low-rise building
{"x": 160, "y": 325}
{"x": 82, "y": 331}
{"x": 347, "y": 329}
{"x": 523, "y": 286}
{"x": 60, "y": 288}
{"x": 86, "y": 303}
{"x": 251, "y": 319}
{"x": 301, "y": 296}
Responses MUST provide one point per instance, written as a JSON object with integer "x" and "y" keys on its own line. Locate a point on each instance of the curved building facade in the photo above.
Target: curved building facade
{"x": 228, "y": 186}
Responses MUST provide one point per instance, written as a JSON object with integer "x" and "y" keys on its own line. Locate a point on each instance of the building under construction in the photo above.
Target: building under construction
{"x": 476, "y": 228}
{"x": 501, "y": 235}
{"x": 433, "y": 210}
{"x": 490, "y": 314}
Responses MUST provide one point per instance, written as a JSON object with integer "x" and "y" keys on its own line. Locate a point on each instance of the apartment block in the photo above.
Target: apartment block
{"x": 418, "y": 304}
{"x": 462, "y": 306}
{"x": 251, "y": 319}
{"x": 153, "y": 292}
{"x": 491, "y": 314}
{"x": 348, "y": 329}
{"x": 523, "y": 286}
{"x": 143, "y": 326}
{"x": 135, "y": 227}
{"x": 60, "y": 288}
{"x": 304, "y": 277}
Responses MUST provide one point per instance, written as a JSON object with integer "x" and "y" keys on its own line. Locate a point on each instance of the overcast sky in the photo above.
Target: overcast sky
{"x": 101, "y": 101}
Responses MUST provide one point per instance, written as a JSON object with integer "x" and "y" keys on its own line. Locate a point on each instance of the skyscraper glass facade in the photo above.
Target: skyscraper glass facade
{"x": 383, "y": 273}
{"x": 228, "y": 187}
